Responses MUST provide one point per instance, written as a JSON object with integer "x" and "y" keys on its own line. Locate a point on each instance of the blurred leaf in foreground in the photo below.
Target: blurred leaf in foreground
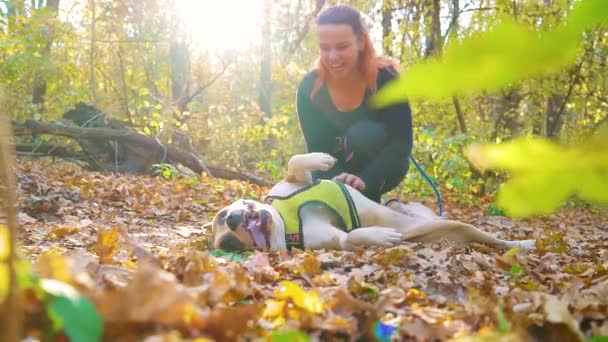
{"x": 494, "y": 59}
{"x": 4, "y": 253}
{"x": 544, "y": 174}
{"x": 306, "y": 300}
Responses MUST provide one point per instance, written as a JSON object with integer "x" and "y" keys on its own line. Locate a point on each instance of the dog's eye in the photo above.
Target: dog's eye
{"x": 221, "y": 217}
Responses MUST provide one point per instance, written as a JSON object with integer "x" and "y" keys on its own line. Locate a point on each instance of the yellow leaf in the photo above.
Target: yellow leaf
{"x": 4, "y": 281}
{"x": 5, "y": 242}
{"x": 306, "y": 300}
{"x": 52, "y": 264}
{"x": 310, "y": 266}
{"x": 62, "y": 231}
{"x": 414, "y": 293}
{"x": 511, "y": 253}
{"x": 5, "y": 247}
{"x": 107, "y": 244}
{"x": 273, "y": 308}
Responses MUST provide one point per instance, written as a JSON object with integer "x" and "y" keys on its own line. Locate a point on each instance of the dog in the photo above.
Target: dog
{"x": 330, "y": 215}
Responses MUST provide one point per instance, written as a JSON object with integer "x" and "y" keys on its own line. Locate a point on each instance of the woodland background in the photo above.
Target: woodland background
{"x": 141, "y": 63}
{"x": 131, "y": 86}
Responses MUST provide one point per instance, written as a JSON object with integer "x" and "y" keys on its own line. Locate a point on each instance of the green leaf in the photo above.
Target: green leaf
{"x": 232, "y": 256}
{"x": 543, "y": 174}
{"x": 73, "y": 313}
{"x": 290, "y": 336}
{"x": 496, "y": 58}
{"x": 503, "y": 324}
{"x": 599, "y": 339}
{"x": 516, "y": 270}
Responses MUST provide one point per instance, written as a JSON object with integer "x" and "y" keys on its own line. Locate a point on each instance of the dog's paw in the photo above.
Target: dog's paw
{"x": 319, "y": 161}
{"x": 386, "y": 237}
{"x": 525, "y": 244}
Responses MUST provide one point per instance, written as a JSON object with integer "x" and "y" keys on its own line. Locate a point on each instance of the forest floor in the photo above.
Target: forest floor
{"x": 136, "y": 247}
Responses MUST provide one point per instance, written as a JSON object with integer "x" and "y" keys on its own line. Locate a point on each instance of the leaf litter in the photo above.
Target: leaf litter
{"x": 139, "y": 248}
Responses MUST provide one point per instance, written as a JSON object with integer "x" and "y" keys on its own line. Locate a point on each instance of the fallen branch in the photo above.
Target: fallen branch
{"x": 158, "y": 151}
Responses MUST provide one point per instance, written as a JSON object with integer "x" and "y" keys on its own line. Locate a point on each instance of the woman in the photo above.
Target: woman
{"x": 372, "y": 146}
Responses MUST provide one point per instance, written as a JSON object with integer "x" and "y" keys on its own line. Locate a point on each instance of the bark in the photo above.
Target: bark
{"x": 265, "y": 96}
{"x": 460, "y": 115}
{"x": 8, "y": 196}
{"x": 92, "y": 80}
{"x": 39, "y": 91}
{"x": 301, "y": 34}
{"x": 434, "y": 41}
{"x": 180, "y": 71}
{"x": 387, "y": 33}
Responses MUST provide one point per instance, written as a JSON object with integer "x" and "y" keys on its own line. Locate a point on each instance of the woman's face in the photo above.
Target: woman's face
{"x": 339, "y": 49}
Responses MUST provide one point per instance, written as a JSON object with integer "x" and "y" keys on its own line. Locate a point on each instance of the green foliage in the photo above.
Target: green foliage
{"x": 167, "y": 171}
{"x": 252, "y": 142}
{"x": 232, "y": 256}
{"x": 67, "y": 310}
{"x": 494, "y": 210}
{"x": 503, "y": 324}
{"x": 516, "y": 270}
{"x": 72, "y": 313}
{"x": 545, "y": 174}
{"x": 494, "y": 59}
{"x": 441, "y": 158}
{"x": 289, "y": 336}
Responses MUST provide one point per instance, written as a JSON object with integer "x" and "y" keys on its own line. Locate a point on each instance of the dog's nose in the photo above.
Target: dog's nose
{"x": 234, "y": 219}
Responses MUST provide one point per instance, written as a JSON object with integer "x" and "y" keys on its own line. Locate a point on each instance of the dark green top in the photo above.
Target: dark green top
{"x": 322, "y": 123}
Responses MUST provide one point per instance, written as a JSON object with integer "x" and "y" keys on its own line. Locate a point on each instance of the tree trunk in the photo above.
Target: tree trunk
{"x": 39, "y": 91}
{"x": 553, "y": 115}
{"x": 460, "y": 115}
{"x": 265, "y": 96}
{"x": 12, "y": 319}
{"x": 387, "y": 32}
{"x": 180, "y": 70}
{"x": 454, "y": 29}
{"x": 92, "y": 81}
{"x": 505, "y": 113}
{"x": 434, "y": 41}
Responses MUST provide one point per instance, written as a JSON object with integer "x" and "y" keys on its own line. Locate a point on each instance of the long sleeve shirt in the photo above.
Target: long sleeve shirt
{"x": 322, "y": 124}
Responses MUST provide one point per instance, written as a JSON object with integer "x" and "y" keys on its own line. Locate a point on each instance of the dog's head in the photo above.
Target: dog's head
{"x": 243, "y": 225}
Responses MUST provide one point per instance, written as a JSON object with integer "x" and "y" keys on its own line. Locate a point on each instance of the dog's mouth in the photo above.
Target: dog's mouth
{"x": 257, "y": 223}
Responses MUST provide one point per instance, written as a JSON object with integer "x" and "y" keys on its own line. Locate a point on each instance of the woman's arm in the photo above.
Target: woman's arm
{"x": 316, "y": 128}
{"x": 397, "y": 120}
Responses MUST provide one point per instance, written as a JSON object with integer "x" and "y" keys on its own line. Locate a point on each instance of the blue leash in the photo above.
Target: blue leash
{"x": 428, "y": 179}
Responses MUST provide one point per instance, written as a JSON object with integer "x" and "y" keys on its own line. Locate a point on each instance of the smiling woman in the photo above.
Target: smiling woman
{"x": 221, "y": 25}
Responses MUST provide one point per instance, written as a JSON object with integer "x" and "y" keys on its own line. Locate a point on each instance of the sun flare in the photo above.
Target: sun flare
{"x": 221, "y": 25}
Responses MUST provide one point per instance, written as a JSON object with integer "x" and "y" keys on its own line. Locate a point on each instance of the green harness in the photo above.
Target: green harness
{"x": 329, "y": 194}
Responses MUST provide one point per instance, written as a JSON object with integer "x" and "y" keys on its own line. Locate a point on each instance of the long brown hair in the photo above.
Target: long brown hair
{"x": 369, "y": 63}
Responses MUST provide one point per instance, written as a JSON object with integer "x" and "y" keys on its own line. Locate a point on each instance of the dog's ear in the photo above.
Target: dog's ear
{"x": 218, "y": 221}
{"x": 229, "y": 242}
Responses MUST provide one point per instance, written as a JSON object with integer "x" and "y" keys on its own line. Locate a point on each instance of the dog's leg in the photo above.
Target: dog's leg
{"x": 319, "y": 233}
{"x": 371, "y": 236}
{"x": 425, "y": 229}
{"x": 300, "y": 165}
{"x": 460, "y": 232}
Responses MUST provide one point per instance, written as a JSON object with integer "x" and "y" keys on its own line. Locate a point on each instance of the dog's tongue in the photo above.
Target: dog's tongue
{"x": 255, "y": 227}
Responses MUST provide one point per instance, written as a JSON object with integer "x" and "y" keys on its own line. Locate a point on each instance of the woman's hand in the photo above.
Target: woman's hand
{"x": 351, "y": 180}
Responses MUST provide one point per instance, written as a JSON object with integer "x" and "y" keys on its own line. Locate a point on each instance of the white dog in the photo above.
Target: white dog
{"x": 326, "y": 214}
